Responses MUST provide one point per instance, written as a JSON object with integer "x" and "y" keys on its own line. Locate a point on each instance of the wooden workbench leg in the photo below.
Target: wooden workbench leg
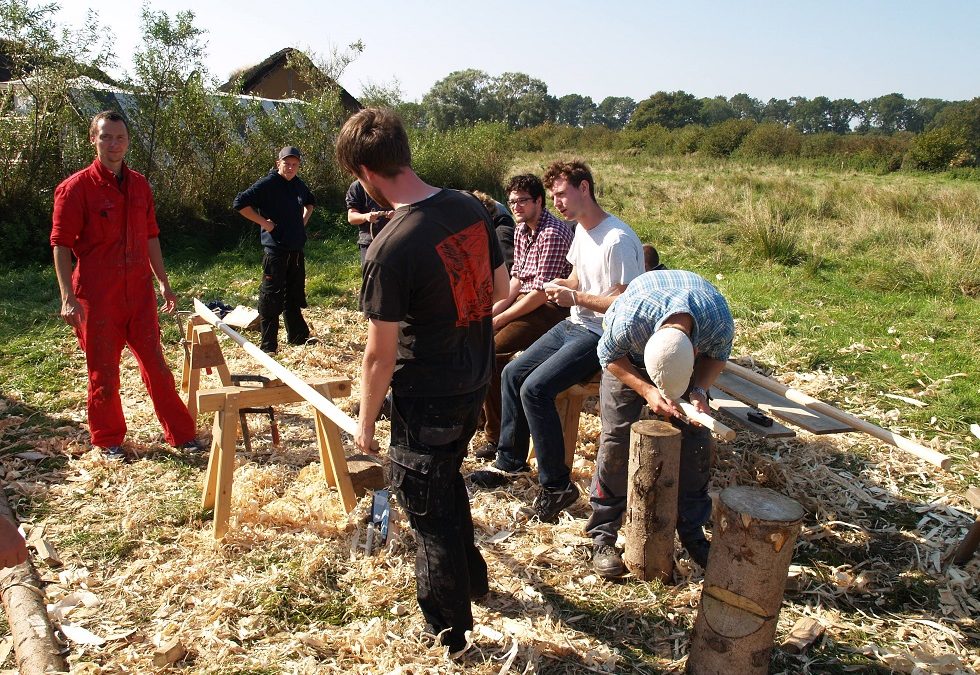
{"x": 226, "y": 465}
{"x": 211, "y": 477}
{"x": 569, "y": 427}
{"x": 334, "y": 462}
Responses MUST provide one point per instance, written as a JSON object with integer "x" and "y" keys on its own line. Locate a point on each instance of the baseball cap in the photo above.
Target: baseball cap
{"x": 291, "y": 151}
{"x": 669, "y": 360}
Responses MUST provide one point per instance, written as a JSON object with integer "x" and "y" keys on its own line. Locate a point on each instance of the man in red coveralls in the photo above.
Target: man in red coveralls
{"x": 104, "y": 215}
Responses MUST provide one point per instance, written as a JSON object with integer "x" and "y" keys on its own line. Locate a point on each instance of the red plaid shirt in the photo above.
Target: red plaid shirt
{"x": 539, "y": 256}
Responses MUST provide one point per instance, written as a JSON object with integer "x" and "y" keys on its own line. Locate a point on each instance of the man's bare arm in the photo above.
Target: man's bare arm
{"x": 380, "y": 356}
{"x": 71, "y": 310}
{"x": 257, "y": 218}
{"x": 156, "y": 264}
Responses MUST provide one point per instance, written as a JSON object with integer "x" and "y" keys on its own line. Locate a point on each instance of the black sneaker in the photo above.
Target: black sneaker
{"x": 493, "y": 476}
{"x": 607, "y": 561}
{"x": 114, "y": 452}
{"x": 698, "y": 550}
{"x": 549, "y": 503}
{"x": 194, "y": 447}
{"x": 486, "y": 451}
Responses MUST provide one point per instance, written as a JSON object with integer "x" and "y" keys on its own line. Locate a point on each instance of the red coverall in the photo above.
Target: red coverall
{"x": 107, "y": 225}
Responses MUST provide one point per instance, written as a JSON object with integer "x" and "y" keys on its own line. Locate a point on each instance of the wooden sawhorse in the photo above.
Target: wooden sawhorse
{"x": 225, "y": 403}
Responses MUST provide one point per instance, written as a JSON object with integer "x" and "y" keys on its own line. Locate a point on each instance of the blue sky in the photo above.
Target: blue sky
{"x": 857, "y": 49}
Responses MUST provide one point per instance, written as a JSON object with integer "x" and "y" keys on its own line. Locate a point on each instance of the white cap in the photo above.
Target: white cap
{"x": 669, "y": 360}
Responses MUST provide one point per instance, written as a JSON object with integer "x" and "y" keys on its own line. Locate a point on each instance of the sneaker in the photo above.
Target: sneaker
{"x": 193, "y": 446}
{"x": 493, "y": 476}
{"x": 549, "y": 503}
{"x": 698, "y": 550}
{"x": 607, "y": 561}
{"x": 113, "y": 452}
{"x": 486, "y": 451}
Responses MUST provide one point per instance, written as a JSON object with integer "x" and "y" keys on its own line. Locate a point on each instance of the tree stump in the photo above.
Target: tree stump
{"x": 754, "y": 535}
{"x": 651, "y": 512}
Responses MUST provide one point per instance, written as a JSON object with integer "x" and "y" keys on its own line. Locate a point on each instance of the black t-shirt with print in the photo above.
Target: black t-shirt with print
{"x": 431, "y": 270}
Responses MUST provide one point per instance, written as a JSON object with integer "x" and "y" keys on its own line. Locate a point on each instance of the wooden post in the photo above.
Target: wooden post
{"x": 754, "y": 535}
{"x": 35, "y": 648}
{"x": 651, "y": 513}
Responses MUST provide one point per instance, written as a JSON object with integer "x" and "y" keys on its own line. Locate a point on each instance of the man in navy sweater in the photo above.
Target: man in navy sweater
{"x": 281, "y": 205}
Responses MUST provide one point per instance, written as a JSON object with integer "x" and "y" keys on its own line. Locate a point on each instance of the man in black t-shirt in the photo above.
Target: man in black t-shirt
{"x": 366, "y": 214}
{"x": 281, "y": 205}
{"x": 429, "y": 283}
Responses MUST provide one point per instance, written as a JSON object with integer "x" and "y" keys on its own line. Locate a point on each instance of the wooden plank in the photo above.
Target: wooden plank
{"x": 332, "y": 457}
{"x": 211, "y": 477}
{"x": 226, "y": 465}
{"x": 738, "y": 411}
{"x": 783, "y": 408}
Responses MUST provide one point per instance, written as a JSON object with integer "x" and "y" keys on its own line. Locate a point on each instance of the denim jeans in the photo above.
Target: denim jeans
{"x": 563, "y": 356}
{"x": 619, "y": 407}
{"x": 429, "y": 439}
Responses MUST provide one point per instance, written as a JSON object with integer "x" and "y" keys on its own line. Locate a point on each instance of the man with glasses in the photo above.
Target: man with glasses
{"x": 541, "y": 244}
{"x": 605, "y": 255}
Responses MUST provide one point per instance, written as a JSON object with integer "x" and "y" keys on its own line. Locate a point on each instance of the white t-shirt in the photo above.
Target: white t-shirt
{"x": 608, "y": 255}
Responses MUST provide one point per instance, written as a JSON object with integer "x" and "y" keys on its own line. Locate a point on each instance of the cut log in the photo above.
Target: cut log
{"x": 797, "y": 396}
{"x": 169, "y": 652}
{"x": 36, "y": 649}
{"x": 366, "y": 474}
{"x": 754, "y": 535}
{"x": 651, "y": 512}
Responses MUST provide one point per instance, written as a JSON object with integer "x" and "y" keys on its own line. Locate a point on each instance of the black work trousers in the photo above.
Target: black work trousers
{"x": 429, "y": 438}
{"x": 283, "y": 291}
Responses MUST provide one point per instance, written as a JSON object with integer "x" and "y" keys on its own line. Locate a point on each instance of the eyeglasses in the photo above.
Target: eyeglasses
{"x": 520, "y": 201}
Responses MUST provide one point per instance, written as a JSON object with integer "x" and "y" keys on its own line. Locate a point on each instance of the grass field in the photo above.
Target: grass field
{"x": 852, "y": 286}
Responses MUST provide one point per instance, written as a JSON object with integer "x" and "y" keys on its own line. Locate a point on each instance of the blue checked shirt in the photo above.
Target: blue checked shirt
{"x": 653, "y": 297}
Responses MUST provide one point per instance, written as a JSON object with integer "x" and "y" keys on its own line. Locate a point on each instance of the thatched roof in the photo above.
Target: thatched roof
{"x": 260, "y": 79}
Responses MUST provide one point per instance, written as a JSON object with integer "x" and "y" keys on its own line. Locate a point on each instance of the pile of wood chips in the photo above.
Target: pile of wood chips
{"x": 143, "y": 585}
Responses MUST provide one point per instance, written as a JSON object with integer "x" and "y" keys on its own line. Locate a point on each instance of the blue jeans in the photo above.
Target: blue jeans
{"x": 619, "y": 407}
{"x": 563, "y": 356}
{"x": 429, "y": 439}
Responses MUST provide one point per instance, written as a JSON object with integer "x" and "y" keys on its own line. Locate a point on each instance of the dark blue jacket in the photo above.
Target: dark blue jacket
{"x": 282, "y": 202}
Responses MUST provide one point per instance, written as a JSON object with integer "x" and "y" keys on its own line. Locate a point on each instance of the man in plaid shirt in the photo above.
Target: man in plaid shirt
{"x": 667, "y": 336}
{"x": 541, "y": 244}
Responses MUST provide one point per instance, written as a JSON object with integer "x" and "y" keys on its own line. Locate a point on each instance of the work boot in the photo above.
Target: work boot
{"x": 114, "y": 452}
{"x": 698, "y": 550}
{"x": 194, "y": 447}
{"x": 549, "y": 503}
{"x": 493, "y": 476}
{"x": 607, "y": 561}
{"x": 486, "y": 451}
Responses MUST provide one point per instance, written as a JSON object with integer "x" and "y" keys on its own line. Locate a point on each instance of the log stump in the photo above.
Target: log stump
{"x": 754, "y": 535}
{"x": 651, "y": 512}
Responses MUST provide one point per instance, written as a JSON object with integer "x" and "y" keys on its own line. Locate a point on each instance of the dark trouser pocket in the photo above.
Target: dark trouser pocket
{"x": 412, "y": 477}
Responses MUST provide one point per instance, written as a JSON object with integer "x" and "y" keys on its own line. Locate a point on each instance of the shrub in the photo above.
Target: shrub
{"x": 936, "y": 150}
{"x": 771, "y": 140}
{"x": 468, "y": 158}
{"x": 686, "y": 140}
{"x": 723, "y": 139}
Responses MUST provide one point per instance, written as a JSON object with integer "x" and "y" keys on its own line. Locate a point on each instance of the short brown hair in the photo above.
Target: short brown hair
{"x": 110, "y": 115}
{"x": 374, "y": 138}
{"x": 529, "y": 183}
{"x": 574, "y": 171}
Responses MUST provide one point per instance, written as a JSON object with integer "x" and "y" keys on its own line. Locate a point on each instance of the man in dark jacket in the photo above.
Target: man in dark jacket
{"x": 281, "y": 205}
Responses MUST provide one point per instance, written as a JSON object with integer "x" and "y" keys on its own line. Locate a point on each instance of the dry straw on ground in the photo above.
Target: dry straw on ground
{"x": 288, "y": 590}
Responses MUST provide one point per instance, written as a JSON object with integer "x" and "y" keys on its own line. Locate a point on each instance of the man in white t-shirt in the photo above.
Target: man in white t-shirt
{"x": 605, "y": 256}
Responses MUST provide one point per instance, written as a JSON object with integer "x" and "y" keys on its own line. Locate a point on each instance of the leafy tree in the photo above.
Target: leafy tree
{"x": 44, "y": 140}
{"x": 519, "y": 100}
{"x": 716, "y": 110}
{"x": 576, "y": 110}
{"x": 778, "y": 110}
{"x": 615, "y": 111}
{"x": 926, "y": 110}
{"x": 962, "y": 119}
{"x": 771, "y": 140}
{"x": 723, "y": 139}
{"x": 672, "y": 110}
{"x": 746, "y": 107}
{"x": 461, "y": 98}
{"x": 888, "y": 114}
{"x": 172, "y": 49}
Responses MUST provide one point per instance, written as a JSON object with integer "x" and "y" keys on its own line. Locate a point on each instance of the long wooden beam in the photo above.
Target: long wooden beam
{"x": 316, "y": 399}
{"x": 797, "y": 396}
